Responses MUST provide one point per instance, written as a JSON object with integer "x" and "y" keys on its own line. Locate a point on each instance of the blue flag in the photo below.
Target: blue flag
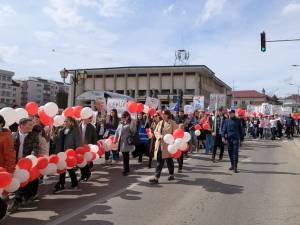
{"x": 175, "y": 108}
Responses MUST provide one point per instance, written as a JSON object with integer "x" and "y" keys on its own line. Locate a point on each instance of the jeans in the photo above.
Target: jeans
{"x": 114, "y": 155}
{"x": 160, "y": 165}
{"x": 209, "y": 144}
{"x": 180, "y": 161}
{"x": 85, "y": 172}
{"x": 233, "y": 151}
{"x": 62, "y": 178}
{"x": 126, "y": 162}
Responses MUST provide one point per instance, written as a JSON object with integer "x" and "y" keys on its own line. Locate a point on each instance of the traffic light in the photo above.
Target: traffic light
{"x": 263, "y": 41}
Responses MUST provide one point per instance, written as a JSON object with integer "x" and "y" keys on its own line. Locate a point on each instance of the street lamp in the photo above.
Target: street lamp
{"x": 75, "y": 77}
{"x": 297, "y": 93}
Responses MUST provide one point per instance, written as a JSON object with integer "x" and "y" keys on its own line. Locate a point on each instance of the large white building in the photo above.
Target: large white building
{"x": 164, "y": 82}
{"x": 6, "y": 92}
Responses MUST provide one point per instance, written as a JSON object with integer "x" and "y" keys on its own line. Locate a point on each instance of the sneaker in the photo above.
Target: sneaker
{"x": 171, "y": 177}
{"x": 231, "y": 168}
{"x": 58, "y": 189}
{"x": 236, "y": 170}
{"x": 153, "y": 180}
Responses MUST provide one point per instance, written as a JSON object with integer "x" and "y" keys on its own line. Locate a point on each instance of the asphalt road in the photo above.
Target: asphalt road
{"x": 266, "y": 191}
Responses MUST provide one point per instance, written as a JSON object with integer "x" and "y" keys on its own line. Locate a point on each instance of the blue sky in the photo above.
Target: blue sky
{"x": 222, "y": 34}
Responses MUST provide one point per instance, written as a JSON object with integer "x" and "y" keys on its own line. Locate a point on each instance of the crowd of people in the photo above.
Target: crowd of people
{"x": 143, "y": 136}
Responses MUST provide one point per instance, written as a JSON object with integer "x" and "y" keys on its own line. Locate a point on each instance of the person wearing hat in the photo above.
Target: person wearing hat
{"x": 232, "y": 131}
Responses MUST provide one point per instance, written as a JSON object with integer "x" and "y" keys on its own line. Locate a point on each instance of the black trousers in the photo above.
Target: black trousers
{"x": 160, "y": 165}
{"x": 126, "y": 162}
{"x": 220, "y": 144}
{"x": 85, "y": 171}
{"x": 62, "y": 178}
{"x": 28, "y": 191}
{"x": 180, "y": 161}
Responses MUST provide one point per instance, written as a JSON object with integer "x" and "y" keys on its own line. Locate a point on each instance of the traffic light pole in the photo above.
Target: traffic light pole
{"x": 284, "y": 40}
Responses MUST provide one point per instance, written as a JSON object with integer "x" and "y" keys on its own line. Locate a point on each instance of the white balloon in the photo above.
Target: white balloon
{"x": 49, "y": 170}
{"x": 9, "y": 115}
{"x": 86, "y": 113}
{"x": 94, "y": 148}
{"x": 58, "y": 120}
{"x": 197, "y": 132}
{"x": 172, "y": 149}
{"x": 178, "y": 142}
{"x": 14, "y": 185}
{"x": 61, "y": 165}
{"x": 62, "y": 156}
{"x": 51, "y": 109}
{"x": 21, "y": 175}
{"x": 33, "y": 159}
{"x": 183, "y": 146}
{"x": 21, "y": 114}
{"x": 169, "y": 139}
{"x": 88, "y": 156}
{"x": 97, "y": 157}
{"x": 83, "y": 164}
{"x": 187, "y": 137}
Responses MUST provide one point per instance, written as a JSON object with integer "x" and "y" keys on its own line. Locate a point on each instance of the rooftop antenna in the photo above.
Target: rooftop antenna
{"x": 182, "y": 57}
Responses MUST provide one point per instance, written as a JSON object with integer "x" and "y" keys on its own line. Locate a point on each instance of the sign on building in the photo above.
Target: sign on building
{"x": 116, "y": 103}
{"x": 152, "y": 102}
{"x": 198, "y": 102}
{"x": 216, "y": 101}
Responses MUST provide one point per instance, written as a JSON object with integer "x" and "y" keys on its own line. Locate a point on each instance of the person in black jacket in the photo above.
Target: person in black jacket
{"x": 88, "y": 136}
{"x": 69, "y": 138}
{"x": 217, "y": 130}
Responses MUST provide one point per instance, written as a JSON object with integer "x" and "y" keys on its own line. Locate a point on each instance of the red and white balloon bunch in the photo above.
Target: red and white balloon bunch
{"x": 178, "y": 142}
{"x": 134, "y": 107}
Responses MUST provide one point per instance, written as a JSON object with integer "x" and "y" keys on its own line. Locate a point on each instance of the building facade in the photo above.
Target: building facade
{"x": 166, "y": 83}
{"x": 6, "y": 98}
{"x": 16, "y": 93}
{"x": 40, "y": 90}
{"x": 248, "y": 97}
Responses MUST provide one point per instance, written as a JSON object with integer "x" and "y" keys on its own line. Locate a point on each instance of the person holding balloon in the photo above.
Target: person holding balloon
{"x": 166, "y": 126}
{"x": 69, "y": 138}
{"x": 26, "y": 143}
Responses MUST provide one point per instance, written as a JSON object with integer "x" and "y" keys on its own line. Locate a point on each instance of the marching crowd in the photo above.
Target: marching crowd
{"x": 132, "y": 137}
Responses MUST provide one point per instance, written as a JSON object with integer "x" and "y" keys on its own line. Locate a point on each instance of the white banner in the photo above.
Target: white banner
{"x": 198, "y": 102}
{"x": 116, "y": 103}
{"x": 276, "y": 109}
{"x": 266, "y": 109}
{"x": 152, "y": 102}
{"x": 216, "y": 100}
{"x": 286, "y": 111}
{"x": 188, "y": 109}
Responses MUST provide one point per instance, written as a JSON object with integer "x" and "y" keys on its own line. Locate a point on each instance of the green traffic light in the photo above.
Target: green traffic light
{"x": 263, "y": 49}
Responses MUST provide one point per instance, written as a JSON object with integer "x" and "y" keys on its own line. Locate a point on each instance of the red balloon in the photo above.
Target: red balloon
{"x": 112, "y": 138}
{"x": 132, "y": 107}
{"x": 61, "y": 171}
{"x": 177, "y": 154}
{"x": 68, "y": 112}
{"x": 70, "y": 152}
{"x": 44, "y": 118}
{"x": 140, "y": 107}
{"x": 77, "y": 110}
{"x": 5, "y": 179}
{"x": 179, "y": 133}
{"x": 32, "y": 108}
{"x": 205, "y": 126}
{"x": 79, "y": 151}
{"x": 42, "y": 163}
{"x": 197, "y": 127}
{"x": 101, "y": 151}
{"x": 71, "y": 161}
{"x": 24, "y": 183}
{"x": 203, "y": 120}
{"x": 94, "y": 156}
{"x": 2, "y": 169}
{"x": 34, "y": 173}
{"x": 86, "y": 148}
{"x": 79, "y": 158}
{"x": 152, "y": 111}
{"x": 25, "y": 164}
{"x": 187, "y": 148}
{"x": 53, "y": 159}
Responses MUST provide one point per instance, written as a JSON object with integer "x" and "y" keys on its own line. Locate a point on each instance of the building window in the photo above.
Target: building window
{"x": 165, "y": 91}
{"x": 99, "y": 76}
{"x": 235, "y": 103}
{"x": 38, "y": 85}
{"x": 120, "y": 75}
{"x": 142, "y": 75}
{"x": 110, "y": 75}
{"x": 131, "y": 75}
{"x": 120, "y": 92}
{"x": 165, "y": 74}
{"x": 189, "y": 91}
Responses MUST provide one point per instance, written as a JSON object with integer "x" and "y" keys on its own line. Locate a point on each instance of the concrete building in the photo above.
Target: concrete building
{"x": 16, "y": 93}
{"x": 248, "y": 97}
{"x": 6, "y": 93}
{"x": 40, "y": 90}
{"x": 163, "y": 82}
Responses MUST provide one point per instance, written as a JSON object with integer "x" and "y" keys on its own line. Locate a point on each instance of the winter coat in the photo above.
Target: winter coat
{"x": 44, "y": 146}
{"x": 90, "y": 136}
{"x": 30, "y": 146}
{"x": 123, "y": 132}
{"x": 168, "y": 128}
{"x": 71, "y": 140}
{"x": 7, "y": 151}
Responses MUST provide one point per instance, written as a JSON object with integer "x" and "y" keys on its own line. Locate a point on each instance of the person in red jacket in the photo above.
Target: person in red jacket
{"x": 7, "y": 151}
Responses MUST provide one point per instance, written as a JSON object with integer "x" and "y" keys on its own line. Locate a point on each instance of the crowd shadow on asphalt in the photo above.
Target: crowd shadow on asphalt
{"x": 268, "y": 172}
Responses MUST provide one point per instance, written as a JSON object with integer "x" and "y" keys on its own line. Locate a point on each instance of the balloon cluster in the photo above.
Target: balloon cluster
{"x": 31, "y": 167}
{"x": 134, "y": 107}
{"x": 177, "y": 143}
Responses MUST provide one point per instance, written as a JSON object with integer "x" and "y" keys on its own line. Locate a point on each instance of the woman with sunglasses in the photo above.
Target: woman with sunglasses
{"x": 166, "y": 126}
{"x": 124, "y": 137}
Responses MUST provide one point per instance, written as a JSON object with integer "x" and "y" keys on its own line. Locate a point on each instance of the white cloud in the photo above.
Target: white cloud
{"x": 64, "y": 13}
{"x": 6, "y": 10}
{"x": 169, "y": 9}
{"x": 291, "y": 9}
{"x": 44, "y": 36}
{"x": 211, "y": 8}
{"x": 7, "y": 53}
{"x": 38, "y": 62}
{"x": 113, "y": 8}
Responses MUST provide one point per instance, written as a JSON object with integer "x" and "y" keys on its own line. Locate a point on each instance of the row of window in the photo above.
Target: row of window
{"x": 140, "y": 75}
{"x": 5, "y": 78}
{"x": 156, "y": 92}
